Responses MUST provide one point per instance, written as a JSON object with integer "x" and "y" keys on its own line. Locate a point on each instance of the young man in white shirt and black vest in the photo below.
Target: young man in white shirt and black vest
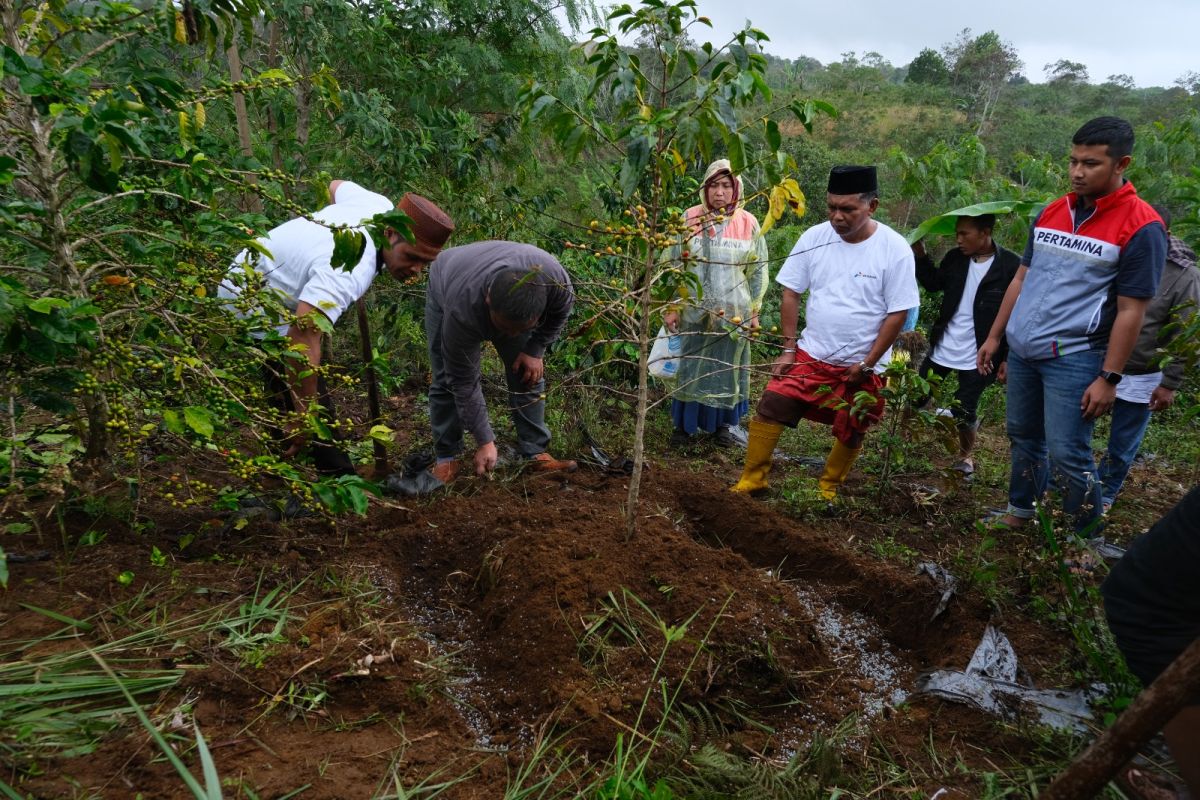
{"x": 860, "y": 280}
{"x": 972, "y": 278}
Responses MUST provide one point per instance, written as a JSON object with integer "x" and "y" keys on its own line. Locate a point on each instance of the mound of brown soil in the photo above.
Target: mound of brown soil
{"x": 511, "y": 610}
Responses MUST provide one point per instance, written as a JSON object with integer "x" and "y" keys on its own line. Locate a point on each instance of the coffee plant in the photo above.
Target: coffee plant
{"x": 659, "y": 113}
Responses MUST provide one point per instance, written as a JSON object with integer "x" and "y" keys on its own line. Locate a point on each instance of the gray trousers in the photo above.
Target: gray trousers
{"x": 525, "y": 402}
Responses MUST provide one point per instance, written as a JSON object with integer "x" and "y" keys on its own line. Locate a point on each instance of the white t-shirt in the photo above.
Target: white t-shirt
{"x": 1138, "y": 388}
{"x": 957, "y": 348}
{"x": 851, "y": 288}
{"x": 301, "y": 251}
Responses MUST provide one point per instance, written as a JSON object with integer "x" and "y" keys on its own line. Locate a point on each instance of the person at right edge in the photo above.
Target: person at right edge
{"x": 1152, "y": 603}
{"x": 1147, "y": 388}
{"x": 1071, "y": 316}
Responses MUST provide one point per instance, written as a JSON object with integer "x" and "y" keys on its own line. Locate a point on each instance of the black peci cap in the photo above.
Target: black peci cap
{"x": 851, "y": 179}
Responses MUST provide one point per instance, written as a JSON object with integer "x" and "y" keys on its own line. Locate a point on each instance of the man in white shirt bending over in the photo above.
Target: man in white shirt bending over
{"x": 300, "y": 271}
{"x": 860, "y": 280}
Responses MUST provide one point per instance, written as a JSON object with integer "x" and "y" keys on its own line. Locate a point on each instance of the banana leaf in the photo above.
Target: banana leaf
{"x": 943, "y": 224}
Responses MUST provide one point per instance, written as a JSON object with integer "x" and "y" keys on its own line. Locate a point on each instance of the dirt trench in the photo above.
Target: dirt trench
{"x": 513, "y": 611}
{"x": 554, "y": 619}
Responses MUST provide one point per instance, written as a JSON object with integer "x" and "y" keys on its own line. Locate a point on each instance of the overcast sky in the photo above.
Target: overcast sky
{"x": 1155, "y": 41}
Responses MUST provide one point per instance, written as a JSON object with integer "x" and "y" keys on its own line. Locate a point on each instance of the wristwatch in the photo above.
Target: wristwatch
{"x": 1112, "y": 377}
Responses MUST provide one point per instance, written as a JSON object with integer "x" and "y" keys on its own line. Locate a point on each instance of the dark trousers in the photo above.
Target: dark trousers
{"x": 1152, "y": 595}
{"x": 328, "y": 457}
{"x": 970, "y": 387}
{"x": 524, "y": 401}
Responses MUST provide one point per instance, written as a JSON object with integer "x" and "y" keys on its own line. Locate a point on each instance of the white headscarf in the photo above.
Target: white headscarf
{"x": 714, "y": 169}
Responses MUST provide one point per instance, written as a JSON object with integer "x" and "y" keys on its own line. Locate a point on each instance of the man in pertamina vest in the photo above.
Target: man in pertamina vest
{"x": 1071, "y": 316}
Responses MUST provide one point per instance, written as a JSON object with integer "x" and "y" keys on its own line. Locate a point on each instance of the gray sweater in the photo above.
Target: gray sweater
{"x": 458, "y": 285}
{"x": 1177, "y": 299}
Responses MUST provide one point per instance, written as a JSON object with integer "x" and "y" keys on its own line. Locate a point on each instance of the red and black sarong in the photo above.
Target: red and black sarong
{"x": 818, "y": 391}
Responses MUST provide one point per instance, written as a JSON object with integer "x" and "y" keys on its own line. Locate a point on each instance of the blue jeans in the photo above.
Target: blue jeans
{"x": 1129, "y": 423}
{"x": 1047, "y": 430}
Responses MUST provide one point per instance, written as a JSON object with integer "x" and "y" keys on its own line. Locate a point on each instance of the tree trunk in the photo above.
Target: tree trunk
{"x": 303, "y": 113}
{"x": 41, "y": 182}
{"x": 251, "y": 201}
{"x": 643, "y": 396}
{"x": 303, "y": 97}
{"x": 272, "y": 117}
{"x": 95, "y": 405}
{"x": 645, "y": 299}
{"x": 1152, "y": 709}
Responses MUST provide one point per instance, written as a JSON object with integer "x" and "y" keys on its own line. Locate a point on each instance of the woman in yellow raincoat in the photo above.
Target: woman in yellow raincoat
{"x": 728, "y": 256}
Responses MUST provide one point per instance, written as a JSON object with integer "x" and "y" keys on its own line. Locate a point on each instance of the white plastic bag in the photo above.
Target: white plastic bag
{"x": 664, "y": 356}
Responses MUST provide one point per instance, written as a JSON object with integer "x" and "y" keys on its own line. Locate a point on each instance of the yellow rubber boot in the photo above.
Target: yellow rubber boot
{"x": 837, "y": 469}
{"x": 763, "y": 437}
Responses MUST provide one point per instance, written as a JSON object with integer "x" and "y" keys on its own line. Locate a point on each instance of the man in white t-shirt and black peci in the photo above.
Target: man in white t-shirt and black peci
{"x": 859, "y": 277}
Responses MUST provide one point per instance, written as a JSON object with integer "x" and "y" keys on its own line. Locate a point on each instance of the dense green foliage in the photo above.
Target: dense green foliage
{"x": 146, "y": 144}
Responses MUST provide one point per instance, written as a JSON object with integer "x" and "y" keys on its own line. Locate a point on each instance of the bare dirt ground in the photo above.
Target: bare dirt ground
{"x": 450, "y": 640}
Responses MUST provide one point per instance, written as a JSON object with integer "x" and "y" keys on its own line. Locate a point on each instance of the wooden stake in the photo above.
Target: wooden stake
{"x": 364, "y": 334}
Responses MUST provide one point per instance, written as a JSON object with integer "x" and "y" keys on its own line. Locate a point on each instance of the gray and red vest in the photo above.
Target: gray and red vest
{"x": 1069, "y": 297}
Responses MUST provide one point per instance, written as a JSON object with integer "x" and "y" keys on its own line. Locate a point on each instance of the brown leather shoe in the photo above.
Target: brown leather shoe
{"x": 445, "y": 472}
{"x": 544, "y": 462}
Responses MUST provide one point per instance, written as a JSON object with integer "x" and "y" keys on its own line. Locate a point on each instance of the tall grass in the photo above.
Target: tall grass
{"x": 211, "y": 790}
{"x": 56, "y": 700}
{"x": 61, "y": 693}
